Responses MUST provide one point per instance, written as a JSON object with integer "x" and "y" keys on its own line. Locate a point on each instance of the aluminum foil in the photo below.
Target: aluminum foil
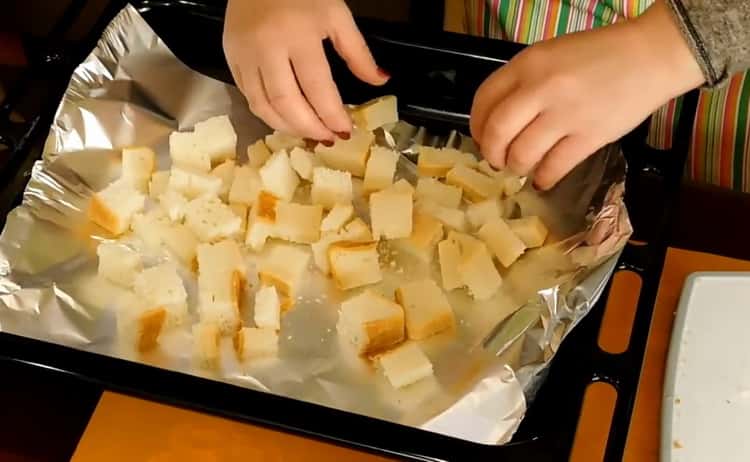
{"x": 131, "y": 90}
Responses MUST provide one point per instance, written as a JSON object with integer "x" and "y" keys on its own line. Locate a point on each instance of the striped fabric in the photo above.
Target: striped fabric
{"x": 720, "y": 148}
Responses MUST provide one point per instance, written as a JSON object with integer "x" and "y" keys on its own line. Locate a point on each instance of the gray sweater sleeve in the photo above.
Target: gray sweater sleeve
{"x": 718, "y": 32}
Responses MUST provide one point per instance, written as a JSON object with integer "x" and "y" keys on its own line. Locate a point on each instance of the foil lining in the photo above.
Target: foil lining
{"x": 131, "y": 90}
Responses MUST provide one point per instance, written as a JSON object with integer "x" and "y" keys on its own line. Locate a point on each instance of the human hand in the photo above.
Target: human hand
{"x": 275, "y": 52}
{"x": 561, "y": 100}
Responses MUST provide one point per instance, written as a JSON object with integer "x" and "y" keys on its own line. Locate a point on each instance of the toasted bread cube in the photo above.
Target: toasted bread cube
{"x": 284, "y": 267}
{"x": 211, "y": 220}
{"x": 254, "y": 343}
{"x": 530, "y": 230}
{"x": 261, "y": 221}
{"x": 511, "y": 184}
{"x": 349, "y": 155}
{"x": 404, "y": 187}
{"x": 451, "y": 218}
{"x": 257, "y": 154}
{"x": 192, "y": 183}
{"x": 303, "y": 162}
{"x": 354, "y": 264}
{"x": 158, "y": 184}
{"x": 430, "y": 189}
{"x": 449, "y": 256}
{"x": 376, "y": 113}
{"x": 503, "y": 242}
{"x": 426, "y": 309}
{"x": 278, "y": 141}
{"x": 267, "y": 308}
{"x": 206, "y": 337}
{"x": 355, "y": 231}
{"x": 339, "y": 215}
{"x": 245, "y": 186}
{"x": 426, "y": 233}
{"x": 137, "y": 166}
{"x": 380, "y": 169}
{"x": 371, "y": 322}
{"x": 113, "y": 207}
{"x": 478, "y": 272}
{"x": 480, "y": 213}
{"x": 161, "y": 286}
{"x": 221, "y": 278}
{"x": 181, "y": 242}
{"x": 118, "y": 263}
{"x": 331, "y": 187}
{"x": 241, "y": 211}
{"x": 173, "y": 204}
{"x": 298, "y": 223}
{"x": 149, "y": 327}
{"x": 437, "y": 162}
{"x": 217, "y": 138}
{"x": 405, "y": 365}
{"x": 186, "y": 151}
{"x": 279, "y": 177}
{"x": 477, "y": 186}
{"x": 225, "y": 171}
{"x": 391, "y": 214}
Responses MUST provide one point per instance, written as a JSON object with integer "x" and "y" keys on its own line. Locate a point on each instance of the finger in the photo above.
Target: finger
{"x": 351, "y": 46}
{"x": 530, "y": 146}
{"x": 314, "y": 76}
{"x": 285, "y": 97}
{"x": 252, "y": 87}
{"x": 489, "y": 93}
{"x": 561, "y": 159}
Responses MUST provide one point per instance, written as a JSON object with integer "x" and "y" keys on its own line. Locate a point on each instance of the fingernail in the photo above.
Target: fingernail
{"x": 344, "y": 135}
{"x": 327, "y": 143}
{"x": 383, "y": 73}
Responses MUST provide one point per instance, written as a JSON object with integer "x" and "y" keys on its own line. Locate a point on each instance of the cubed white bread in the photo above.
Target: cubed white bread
{"x": 380, "y": 169}
{"x": 511, "y": 184}
{"x": 371, "y": 322}
{"x": 174, "y": 204}
{"x": 206, "y": 338}
{"x": 298, "y": 223}
{"x": 181, "y": 242}
{"x": 480, "y": 213}
{"x": 354, "y": 264}
{"x": 192, "y": 183}
{"x": 331, "y": 187}
{"x": 391, "y": 214}
{"x": 118, "y": 263}
{"x": 137, "y": 166}
{"x": 284, "y": 267}
{"x": 141, "y": 325}
{"x": 161, "y": 287}
{"x": 186, "y": 151}
{"x": 257, "y": 154}
{"x": 451, "y": 218}
{"x": 241, "y": 211}
{"x": 476, "y": 186}
{"x": 357, "y": 231}
{"x": 437, "y": 162}
{"x": 339, "y": 215}
{"x": 225, "y": 171}
{"x": 113, "y": 207}
{"x": 430, "y": 189}
{"x": 426, "y": 309}
{"x": 217, "y": 138}
{"x": 426, "y": 233}
{"x": 278, "y": 176}
{"x": 211, "y": 220}
{"x": 449, "y": 257}
{"x": 303, "y": 162}
{"x": 255, "y": 343}
{"x": 531, "y": 230}
{"x": 267, "y": 310}
{"x": 223, "y": 257}
{"x": 503, "y": 242}
{"x": 158, "y": 184}
{"x": 478, "y": 272}
{"x": 375, "y": 113}
{"x": 485, "y": 167}
{"x": 405, "y": 365}
{"x": 221, "y": 280}
{"x": 261, "y": 220}
{"x": 354, "y": 231}
{"x": 349, "y": 155}
{"x": 278, "y": 141}
{"x": 245, "y": 186}
{"x": 148, "y": 228}
{"x": 404, "y": 187}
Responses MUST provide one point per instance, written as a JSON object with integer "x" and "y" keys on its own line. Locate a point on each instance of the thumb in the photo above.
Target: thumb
{"x": 351, "y": 46}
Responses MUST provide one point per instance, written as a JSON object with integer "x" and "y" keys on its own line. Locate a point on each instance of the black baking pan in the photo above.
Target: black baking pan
{"x": 435, "y": 75}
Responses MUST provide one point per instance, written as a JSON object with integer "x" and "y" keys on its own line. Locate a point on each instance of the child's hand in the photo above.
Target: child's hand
{"x": 275, "y": 52}
{"x": 559, "y": 101}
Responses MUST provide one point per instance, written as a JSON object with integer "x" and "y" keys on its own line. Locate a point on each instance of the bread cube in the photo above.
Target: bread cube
{"x": 118, "y": 263}
{"x": 376, "y": 113}
{"x": 480, "y": 213}
{"x": 338, "y": 216}
{"x": 206, "y": 337}
{"x": 485, "y": 167}
{"x": 449, "y": 257}
{"x": 181, "y": 242}
{"x": 223, "y": 257}
{"x": 149, "y": 327}
{"x": 245, "y": 186}
{"x": 279, "y": 177}
{"x": 158, "y": 184}
{"x": 113, "y": 207}
{"x": 354, "y": 264}
{"x": 267, "y": 308}
{"x": 254, "y": 343}
{"x": 224, "y": 171}
{"x": 331, "y": 187}
{"x": 261, "y": 220}
{"x": 186, "y": 151}
{"x": 391, "y": 214}
{"x": 221, "y": 279}
{"x": 298, "y": 223}
{"x": 148, "y": 228}
{"x": 192, "y": 183}
{"x": 284, "y": 267}
{"x": 348, "y": 155}
{"x": 241, "y": 211}
{"x": 477, "y": 186}
{"x": 432, "y": 190}
{"x": 503, "y": 242}
{"x": 355, "y": 231}
{"x": 211, "y": 220}
{"x": 371, "y": 322}
{"x": 257, "y": 154}
{"x": 217, "y": 138}
{"x": 511, "y": 184}
{"x": 451, "y": 218}
{"x": 403, "y": 186}
{"x": 380, "y": 169}
{"x": 437, "y": 162}
{"x": 303, "y": 162}
{"x": 426, "y": 233}
{"x": 405, "y": 365}
{"x": 278, "y": 141}
{"x": 530, "y": 230}
{"x": 161, "y": 287}
{"x": 173, "y": 204}
{"x": 137, "y": 166}
{"x": 426, "y": 309}
{"x": 478, "y": 272}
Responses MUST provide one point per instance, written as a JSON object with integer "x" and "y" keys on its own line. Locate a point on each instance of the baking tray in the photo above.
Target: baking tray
{"x": 435, "y": 75}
